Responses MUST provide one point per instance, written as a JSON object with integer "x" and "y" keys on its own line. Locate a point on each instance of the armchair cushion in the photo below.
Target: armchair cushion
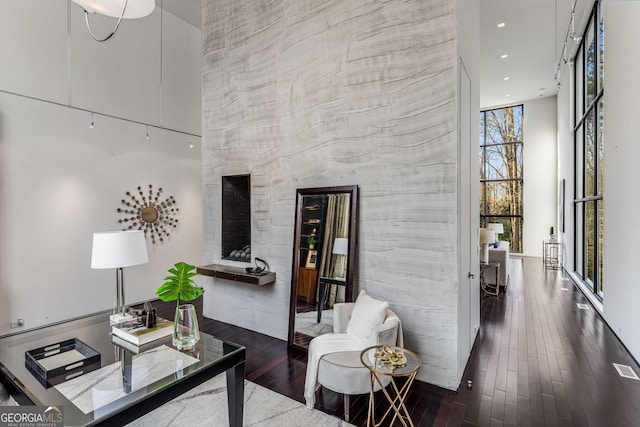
{"x": 344, "y": 373}
{"x": 368, "y": 313}
{"x": 342, "y": 312}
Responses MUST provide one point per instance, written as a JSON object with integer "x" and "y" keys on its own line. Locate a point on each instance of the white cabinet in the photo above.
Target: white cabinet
{"x": 150, "y": 71}
{"x": 121, "y": 76}
{"x": 33, "y": 48}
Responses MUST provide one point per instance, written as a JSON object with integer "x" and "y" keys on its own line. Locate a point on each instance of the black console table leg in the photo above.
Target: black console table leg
{"x": 323, "y": 290}
{"x": 235, "y": 394}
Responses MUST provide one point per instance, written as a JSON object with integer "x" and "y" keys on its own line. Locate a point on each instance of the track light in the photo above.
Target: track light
{"x": 147, "y": 132}
{"x": 572, "y": 34}
{"x": 190, "y": 143}
{"x": 91, "y": 125}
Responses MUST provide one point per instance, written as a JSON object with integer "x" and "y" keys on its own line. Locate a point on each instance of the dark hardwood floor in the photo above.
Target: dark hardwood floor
{"x": 538, "y": 360}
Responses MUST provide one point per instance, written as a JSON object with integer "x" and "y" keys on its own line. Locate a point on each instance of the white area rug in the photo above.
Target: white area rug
{"x": 306, "y": 323}
{"x": 206, "y": 405}
{"x": 5, "y": 399}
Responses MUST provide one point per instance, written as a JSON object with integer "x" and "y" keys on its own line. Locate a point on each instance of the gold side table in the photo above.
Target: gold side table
{"x": 552, "y": 251}
{"x": 379, "y": 371}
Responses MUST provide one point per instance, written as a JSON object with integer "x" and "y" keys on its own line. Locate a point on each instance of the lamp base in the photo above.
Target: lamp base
{"x": 119, "y": 317}
{"x": 484, "y": 253}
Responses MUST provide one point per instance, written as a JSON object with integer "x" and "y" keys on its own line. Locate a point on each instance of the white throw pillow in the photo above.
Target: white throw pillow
{"x": 367, "y": 314}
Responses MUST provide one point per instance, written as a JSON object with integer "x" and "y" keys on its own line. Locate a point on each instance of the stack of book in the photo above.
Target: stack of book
{"x": 136, "y": 331}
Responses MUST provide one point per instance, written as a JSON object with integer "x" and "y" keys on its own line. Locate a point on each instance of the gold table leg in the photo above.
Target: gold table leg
{"x": 370, "y": 417}
{"x": 396, "y": 404}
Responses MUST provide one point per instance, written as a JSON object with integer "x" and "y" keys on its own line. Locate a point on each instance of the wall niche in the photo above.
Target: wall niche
{"x": 236, "y": 218}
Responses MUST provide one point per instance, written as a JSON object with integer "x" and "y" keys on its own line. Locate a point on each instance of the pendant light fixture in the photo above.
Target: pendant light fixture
{"x": 121, "y": 9}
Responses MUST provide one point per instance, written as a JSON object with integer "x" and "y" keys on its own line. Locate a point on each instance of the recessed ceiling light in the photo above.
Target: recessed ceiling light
{"x": 542, "y": 88}
{"x": 506, "y": 78}
{"x": 501, "y": 25}
{"x": 504, "y": 56}
{"x": 508, "y": 94}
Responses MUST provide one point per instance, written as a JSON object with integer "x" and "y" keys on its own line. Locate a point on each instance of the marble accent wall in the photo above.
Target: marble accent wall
{"x": 309, "y": 93}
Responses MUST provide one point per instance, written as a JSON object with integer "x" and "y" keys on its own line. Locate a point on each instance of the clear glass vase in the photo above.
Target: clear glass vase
{"x": 186, "y": 332}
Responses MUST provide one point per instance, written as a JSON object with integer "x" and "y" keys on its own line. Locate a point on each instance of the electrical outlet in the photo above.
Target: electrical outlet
{"x": 17, "y": 323}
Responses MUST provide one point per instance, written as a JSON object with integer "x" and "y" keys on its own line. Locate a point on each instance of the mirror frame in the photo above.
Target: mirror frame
{"x": 352, "y": 190}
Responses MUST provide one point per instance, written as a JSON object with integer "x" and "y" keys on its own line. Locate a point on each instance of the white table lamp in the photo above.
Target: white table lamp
{"x": 341, "y": 247}
{"x": 487, "y": 237}
{"x": 497, "y": 227}
{"x": 119, "y": 249}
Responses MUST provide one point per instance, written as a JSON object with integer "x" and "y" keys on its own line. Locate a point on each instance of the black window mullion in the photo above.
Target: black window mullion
{"x": 586, "y": 204}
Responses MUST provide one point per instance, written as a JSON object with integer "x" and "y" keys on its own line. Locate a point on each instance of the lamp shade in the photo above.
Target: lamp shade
{"x": 115, "y": 249}
{"x": 113, "y": 8}
{"x": 487, "y": 236}
{"x": 497, "y": 227}
{"x": 341, "y": 246}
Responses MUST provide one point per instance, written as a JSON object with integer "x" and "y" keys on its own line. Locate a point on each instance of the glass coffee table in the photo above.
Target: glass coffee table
{"x": 155, "y": 373}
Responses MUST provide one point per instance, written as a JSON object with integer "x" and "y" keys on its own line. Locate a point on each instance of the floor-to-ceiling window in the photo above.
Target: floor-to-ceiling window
{"x": 589, "y": 148}
{"x": 501, "y": 172}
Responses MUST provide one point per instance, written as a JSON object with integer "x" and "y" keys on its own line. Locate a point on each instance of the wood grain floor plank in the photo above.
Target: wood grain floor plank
{"x": 498, "y": 405}
{"x": 550, "y": 410}
{"x": 502, "y": 370}
{"x": 512, "y": 387}
{"x": 511, "y": 414}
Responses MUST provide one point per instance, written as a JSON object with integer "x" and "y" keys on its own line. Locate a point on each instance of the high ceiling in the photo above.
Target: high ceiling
{"x": 532, "y": 37}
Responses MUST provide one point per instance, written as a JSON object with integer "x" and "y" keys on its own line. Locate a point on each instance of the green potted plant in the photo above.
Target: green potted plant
{"x": 179, "y": 285}
{"x": 311, "y": 241}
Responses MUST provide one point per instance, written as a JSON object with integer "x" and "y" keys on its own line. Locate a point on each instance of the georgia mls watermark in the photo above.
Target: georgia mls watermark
{"x": 31, "y": 416}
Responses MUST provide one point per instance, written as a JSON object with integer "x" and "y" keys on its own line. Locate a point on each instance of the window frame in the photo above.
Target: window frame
{"x": 582, "y": 113}
{"x": 485, "y": 215}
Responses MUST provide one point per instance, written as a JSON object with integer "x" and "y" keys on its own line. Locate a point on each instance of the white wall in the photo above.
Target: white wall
{"x": 621, "y": 172}
{"x": 621, "y": 175}
{"x": 540, "y": 192}
{"x": 468, "y": 40}
{"x": 61, "y": 181}
{"x": 306, "y": 94}
{"x": 565, "y": 161}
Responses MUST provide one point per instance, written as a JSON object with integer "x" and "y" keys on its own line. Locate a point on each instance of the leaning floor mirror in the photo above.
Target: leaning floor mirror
{"x": 324, "y": 250}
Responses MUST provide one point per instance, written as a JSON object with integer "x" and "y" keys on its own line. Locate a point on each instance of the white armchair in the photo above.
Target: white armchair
{"x": 334, "y": 359}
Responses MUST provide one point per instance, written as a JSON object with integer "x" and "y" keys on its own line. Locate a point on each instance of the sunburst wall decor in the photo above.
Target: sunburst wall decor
{"x": 156, "y": 218}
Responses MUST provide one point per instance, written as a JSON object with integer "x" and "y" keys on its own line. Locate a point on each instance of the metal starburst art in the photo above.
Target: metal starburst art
{"x": 148, "y": 213}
